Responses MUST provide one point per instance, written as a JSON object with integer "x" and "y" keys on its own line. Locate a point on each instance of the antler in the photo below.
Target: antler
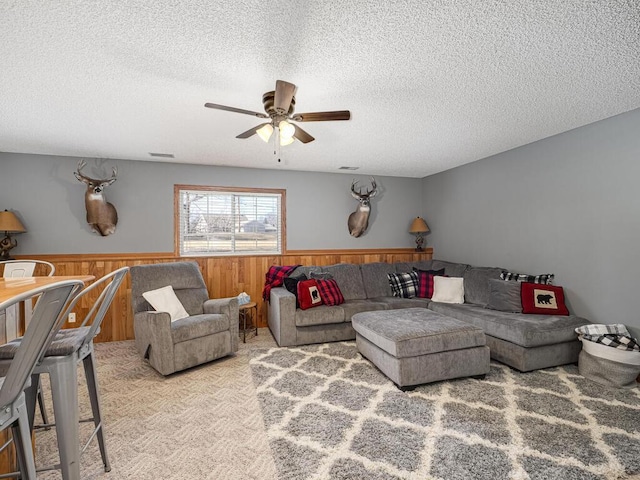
{"x": 368, "y": 194}
{"x": 83, "y": 178}
{"x": 81, "y": 165}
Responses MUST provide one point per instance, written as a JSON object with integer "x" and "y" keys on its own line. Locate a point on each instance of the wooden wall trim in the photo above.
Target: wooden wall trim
{"x": 225, "y": 276}
{"x": 72, "y": 257}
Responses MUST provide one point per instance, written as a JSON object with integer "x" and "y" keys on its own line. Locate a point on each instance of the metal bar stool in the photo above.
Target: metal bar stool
{"x": 13, "y": 406}
{"x": 69, "y": 347}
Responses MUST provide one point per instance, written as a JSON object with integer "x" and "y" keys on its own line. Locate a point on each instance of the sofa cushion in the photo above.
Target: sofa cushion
{"x": 349, "y": 280}
{"x": 543, "y": 299}
{"x": 504, "y": 296}
{"x": 351, "y": 307}
{"x": 410, "y": 266}
{"x": 197, "y": 326}
{"x": 404, "y": 285}
{"x": 476, "y": 284}
{"x": 321, "y": 315}
{"x": 394, "y": 303}
{"x": 521, "y": 329}
{"x": 374, "y": 276}
{"x": 320, "y": 275}
{"x": 450, "y": 269}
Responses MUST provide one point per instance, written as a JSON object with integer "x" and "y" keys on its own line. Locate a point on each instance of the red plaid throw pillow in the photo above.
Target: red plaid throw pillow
{"x": 330, "y": 292}
{"x": 425, "y": 282}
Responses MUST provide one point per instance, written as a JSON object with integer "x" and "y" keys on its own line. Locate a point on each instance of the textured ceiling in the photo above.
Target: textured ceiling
{"x": 430, "y": 84}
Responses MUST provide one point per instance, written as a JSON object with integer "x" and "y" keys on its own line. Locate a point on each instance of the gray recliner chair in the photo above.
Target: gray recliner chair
{"x": 209, "y": 332}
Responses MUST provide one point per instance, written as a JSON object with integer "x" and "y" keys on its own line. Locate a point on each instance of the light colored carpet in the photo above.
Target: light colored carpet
{"x": 332, "y": 415}
{"x": 204, "y": 423}
{"x": 208, "y": 422}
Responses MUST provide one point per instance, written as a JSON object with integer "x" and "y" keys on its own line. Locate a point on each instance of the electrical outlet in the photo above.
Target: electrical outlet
{"x": 72, "y": 318}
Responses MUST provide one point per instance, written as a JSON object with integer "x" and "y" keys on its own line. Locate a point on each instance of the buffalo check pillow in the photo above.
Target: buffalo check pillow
{"x": 545, "y": 279}
{"x": 330, "y": 292}
{"x": 403, "y": 285}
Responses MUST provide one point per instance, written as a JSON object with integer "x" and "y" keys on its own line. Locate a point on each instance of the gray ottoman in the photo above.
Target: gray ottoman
{"x": 412, "y": 346}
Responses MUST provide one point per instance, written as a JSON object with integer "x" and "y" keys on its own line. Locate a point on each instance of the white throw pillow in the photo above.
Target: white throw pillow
{"x": 164, "y": 300}
{"x": 448, "y": 289}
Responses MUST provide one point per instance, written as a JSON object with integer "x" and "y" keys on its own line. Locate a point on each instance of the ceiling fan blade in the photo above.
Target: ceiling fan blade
{"x": 322, "y": 116}
{"x": 283, "y": 96}
{"x": 236, "y": 110}
{"x": 251, "y": 131}
{"x": 303, "y": 136}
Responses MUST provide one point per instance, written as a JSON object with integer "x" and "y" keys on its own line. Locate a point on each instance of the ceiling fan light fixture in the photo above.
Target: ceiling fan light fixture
{"x": 286, "y": 141}
{"x": 286, "y": 130}
{"x": 265, "y": 132}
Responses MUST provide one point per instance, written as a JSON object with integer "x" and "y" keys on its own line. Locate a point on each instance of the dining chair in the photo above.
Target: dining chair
{"x": 70, "y": 347}
{"x": 48, "y": 319}
{"x": 25, "y": 268}
{"x": 21, "y": 269}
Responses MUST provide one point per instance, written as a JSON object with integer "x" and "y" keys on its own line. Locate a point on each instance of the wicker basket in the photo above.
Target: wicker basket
{"x": 609, "y": 366}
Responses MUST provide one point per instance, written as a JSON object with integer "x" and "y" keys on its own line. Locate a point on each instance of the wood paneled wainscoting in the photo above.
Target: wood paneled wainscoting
{"x": 224, "y": 276}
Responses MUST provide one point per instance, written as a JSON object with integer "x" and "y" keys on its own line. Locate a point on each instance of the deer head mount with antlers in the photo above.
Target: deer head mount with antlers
{"x": 101, "y": 215}
{"x": 359, "y": 220}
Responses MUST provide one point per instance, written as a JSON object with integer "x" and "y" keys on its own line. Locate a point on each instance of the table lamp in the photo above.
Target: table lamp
{"x": 10, "y": 224}
{"x": 418, "y": 228}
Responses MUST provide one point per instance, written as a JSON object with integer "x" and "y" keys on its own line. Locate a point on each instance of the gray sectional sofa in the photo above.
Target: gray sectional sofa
{"x": 524, "y": 341}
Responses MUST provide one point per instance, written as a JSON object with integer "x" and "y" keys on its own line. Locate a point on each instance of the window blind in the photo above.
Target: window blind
{"x": 221, "y": 222}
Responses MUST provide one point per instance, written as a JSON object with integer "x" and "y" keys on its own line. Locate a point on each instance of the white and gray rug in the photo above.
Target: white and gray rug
{"x": 330, "y": 414}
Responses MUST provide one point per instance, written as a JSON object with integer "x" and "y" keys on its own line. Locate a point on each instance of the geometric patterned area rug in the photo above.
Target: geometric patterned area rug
{"x": 330, "y": 414}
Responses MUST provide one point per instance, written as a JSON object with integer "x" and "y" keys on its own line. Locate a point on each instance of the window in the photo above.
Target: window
{"x": 228, "y": 221}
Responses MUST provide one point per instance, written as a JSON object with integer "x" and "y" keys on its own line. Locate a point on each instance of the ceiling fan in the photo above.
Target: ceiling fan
{"x": 279, "y": 105}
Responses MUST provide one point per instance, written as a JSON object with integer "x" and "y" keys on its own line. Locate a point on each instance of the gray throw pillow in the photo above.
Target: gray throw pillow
{"x": 505, "y": 296}
{"x": 320, "y": 275}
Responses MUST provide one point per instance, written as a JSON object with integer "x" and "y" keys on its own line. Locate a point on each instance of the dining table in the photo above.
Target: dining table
{"x": 11, "y": 288}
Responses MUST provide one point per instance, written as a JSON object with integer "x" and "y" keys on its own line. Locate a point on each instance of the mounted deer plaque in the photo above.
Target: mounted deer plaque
{"x": 101, "y": 215}
{"x": 359, "y": 220}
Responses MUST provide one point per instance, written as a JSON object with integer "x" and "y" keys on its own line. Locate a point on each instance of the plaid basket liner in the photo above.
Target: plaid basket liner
{"x": 616, "y": 336}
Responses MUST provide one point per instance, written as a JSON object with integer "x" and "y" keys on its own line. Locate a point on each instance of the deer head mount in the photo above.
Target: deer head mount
{"x": 359, "y": 220}
{"x": 101, "y": 215}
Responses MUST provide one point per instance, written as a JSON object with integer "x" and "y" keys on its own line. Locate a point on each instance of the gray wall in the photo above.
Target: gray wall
{"x": 50, "y": 201}
{"x": 568, "y": 205}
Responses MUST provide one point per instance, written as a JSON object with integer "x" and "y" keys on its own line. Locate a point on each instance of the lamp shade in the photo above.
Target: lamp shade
{"x": 286, "y": 130}
{"x": 265, "y": 132}
{"x": 10, "y": 223}
{"x": 418, "y": 226}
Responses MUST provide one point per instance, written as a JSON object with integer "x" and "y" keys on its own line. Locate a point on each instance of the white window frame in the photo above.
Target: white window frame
{"x": 179, "y": 212}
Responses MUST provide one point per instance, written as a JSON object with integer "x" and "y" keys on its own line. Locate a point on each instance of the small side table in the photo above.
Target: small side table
{"x": 248, "y": 309}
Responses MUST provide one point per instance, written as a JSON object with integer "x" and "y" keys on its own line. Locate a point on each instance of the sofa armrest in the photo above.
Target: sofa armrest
{"x": 282, "y": 316}
{"x": 227, "y": 306}
{"x": 153, "y": 337}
